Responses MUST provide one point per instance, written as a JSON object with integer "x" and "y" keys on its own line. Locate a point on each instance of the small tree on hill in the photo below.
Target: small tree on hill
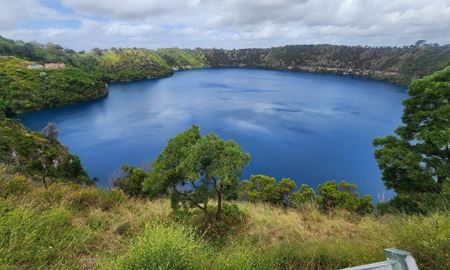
{"x": 195, "y": 168}
{"x": 50, "y": 131}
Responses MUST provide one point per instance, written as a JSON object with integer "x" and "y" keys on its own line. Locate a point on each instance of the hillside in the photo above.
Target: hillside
{"x": 23, "y": 89}
{"x": 74, "y": 227}
{"x": 394, "y": 64}
{"x": 24, "y": 150}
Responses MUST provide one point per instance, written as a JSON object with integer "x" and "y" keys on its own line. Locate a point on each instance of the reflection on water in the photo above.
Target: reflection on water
{"x": 309, "y": 127}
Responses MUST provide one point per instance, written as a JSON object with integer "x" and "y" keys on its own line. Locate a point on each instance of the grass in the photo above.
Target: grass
{"x": 74, "y": 227}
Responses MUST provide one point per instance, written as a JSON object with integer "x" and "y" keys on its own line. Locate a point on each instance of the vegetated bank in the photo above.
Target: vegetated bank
{"x": 67, "y": 226}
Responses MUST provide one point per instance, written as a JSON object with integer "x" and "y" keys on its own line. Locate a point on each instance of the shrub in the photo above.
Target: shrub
{"x": 92, "y": 197}
{"x": 55, "y": 193}
{"x": 417, "y": 203}
{"x": 343, "y": 196}
{"x": 304, "y": 195}
{"x": 131, "y": 181}
{"x": 162, "y": 246}
{"x": 426, "y": 237}
{"x": 208, "y": 226}
{"x": 13, "y": 185}
{"x": 111, "y": 198}
{"x": 262, "y": 188}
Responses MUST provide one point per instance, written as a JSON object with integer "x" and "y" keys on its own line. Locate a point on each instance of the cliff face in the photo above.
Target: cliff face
{"x": 397, "y": 65}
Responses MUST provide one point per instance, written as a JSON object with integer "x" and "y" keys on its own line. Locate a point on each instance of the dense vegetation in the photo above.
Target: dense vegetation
{"x": 74, "y": 227}
{"x": 193, "y": 169}
{"x": 38, "y": 156}
{"x": 23, "y": 89}
{"x": 395, "y": 64}
{"x": 416, "y": 161}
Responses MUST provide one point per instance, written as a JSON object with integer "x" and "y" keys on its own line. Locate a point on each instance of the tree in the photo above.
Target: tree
{"x": 263, "y": 188}
{"x": 195, "y": 168}
{"x": 131, "y": 180}
{"x": 51, "y": 132}
{"x": 343, "y": 196}
{"x": 258, "y": 188}
{"x": 215, "y": 163}
{"x": 304, "y": 195}
{"x": 417, "y": 158}
{"x": 46, "y": 162}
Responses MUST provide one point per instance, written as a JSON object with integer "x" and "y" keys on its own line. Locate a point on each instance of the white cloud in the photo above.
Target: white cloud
{"x": 16, "y": 11}
{"x": 128, "y": 9}
{"x": 234, "y": 23}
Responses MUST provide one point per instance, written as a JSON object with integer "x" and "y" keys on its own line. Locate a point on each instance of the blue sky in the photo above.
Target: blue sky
{"x": 84, "y": 24}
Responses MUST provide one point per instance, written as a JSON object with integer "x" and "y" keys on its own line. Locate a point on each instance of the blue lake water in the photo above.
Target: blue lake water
{"x": 309, "y": 127}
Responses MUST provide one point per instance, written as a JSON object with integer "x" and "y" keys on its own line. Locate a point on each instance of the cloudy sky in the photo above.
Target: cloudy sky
{"x": 84, "y": 24}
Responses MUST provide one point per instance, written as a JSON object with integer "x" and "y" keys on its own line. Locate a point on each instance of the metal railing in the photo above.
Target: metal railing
{"x": 395, "y": 260}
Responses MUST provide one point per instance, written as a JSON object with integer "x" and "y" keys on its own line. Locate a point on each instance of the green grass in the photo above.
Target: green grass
{"x": 68, "y": 226}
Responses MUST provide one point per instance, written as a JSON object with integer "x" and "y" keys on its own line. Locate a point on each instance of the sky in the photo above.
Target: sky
{"x": 85, "y": 24}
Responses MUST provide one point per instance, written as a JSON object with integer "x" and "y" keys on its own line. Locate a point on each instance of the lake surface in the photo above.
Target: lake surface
{"x": 309, "y": 127}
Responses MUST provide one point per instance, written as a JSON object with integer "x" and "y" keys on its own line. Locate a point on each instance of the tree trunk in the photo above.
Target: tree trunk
{"x": 44, "y": 181}
{"x": 219, "y": 205}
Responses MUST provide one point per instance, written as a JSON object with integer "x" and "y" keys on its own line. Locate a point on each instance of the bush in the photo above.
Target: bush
{"x": 417, "y": 203}
{"x": 55, "y": 193}
{"x": 343, "y": 196}
{"x": 304, "y": 195}
{"x": 262, "y": 188}
{"x": 162, "y": 246}
{"x": 232, "y": 220}
{"x": 92, "y": 197}
{"x": 427, "y": 238}
{"x": 131, "y": 181}
{"x": 13, "y": 185}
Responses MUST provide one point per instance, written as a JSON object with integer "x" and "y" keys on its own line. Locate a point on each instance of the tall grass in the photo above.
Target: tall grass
{"x": 74, "y": 227}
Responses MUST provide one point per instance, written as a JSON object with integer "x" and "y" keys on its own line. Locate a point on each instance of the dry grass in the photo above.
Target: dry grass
{"x": 305, "y": 238}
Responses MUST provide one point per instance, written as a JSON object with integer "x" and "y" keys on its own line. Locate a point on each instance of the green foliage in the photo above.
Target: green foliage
{"x": 417, "y": 159}
{"x": 342, "y": 195}
{"x": 25, "y": 89}
{"x": 262, "y": 188}
{"x": 418, "y": 202}
{"x": 163, "y": 247}
{"x": 395, "y": 64}
{"x": 27, "y": 151}
{"x": 92, "y": 197}
{"x": 131, "y": 181}
{"x": 131, "y": 64}
{"x": 13, "y": 185}
{"x": 304, "y": 195}
{"x": 243, "y": 256}
{"x": 195, "y": 168}
{"x": 232, "y": 221}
